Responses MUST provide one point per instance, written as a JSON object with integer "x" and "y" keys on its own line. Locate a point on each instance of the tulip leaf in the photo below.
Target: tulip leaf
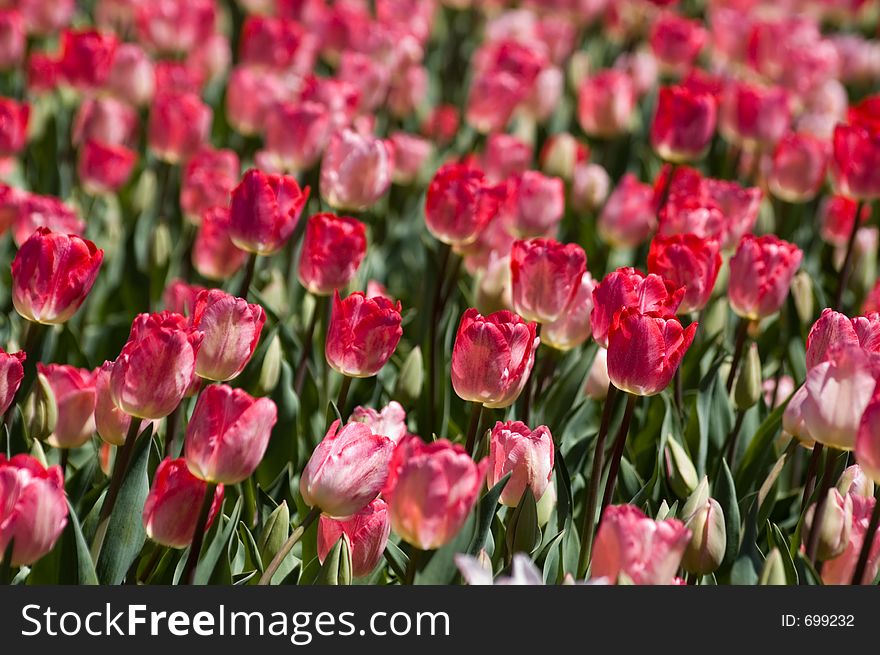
{"x": 85, "y": 567}
{"x": 777, "y": 539}
{"x": 486, "y": 509}
{"x": 397, "y": 559}
{"x": 759, "y": 449}
{"x": 725, "y": 494}
{"x": 211, "y": 556}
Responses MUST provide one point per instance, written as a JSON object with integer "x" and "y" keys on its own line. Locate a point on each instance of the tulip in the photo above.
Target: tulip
{"x": 572, "y": 328}
{"x": 172, "y": 507}
{"x": 11, "y": 375}
{"x": 597, "y": 383}
{"x": 52, "y": 274}
{"x": 34, "y": 508}
{"x": 606, "y": 104}
{"x": 369, "y": 76}
{"x": 42, "y": 74}
{"x": 855, "y": 164}
{"x": 279, "y": 43}
{"x": 104, "y": 168}
{"x": 834, "y": 328}
{"x": 43, "y": 18}
{"x": 411, "y": 153}
{"x": 867, "y": 446}
{"x": 760, "y": 275}
{"x": 837, "y": 519}
{"x": 228, "y": 434}
{"x": 689, "y": 262}
{"x": 265, "y": 210}
{"x": 561, "y": 153}
{"x": 854, "y": 480}
{"x": 708, "y": 543}
{"x": 441, "y": 124}
{"x": 676, "y": 41}
{"x": 111, "y": 423}
{"x": 251, "y": 93}
{"x": 175, "y": 26}
{"x": 107, "y": 120}
{"x": 347, "y": 470}
{"x": 460, "y": 203}
{"x": 739, "y": 208}
{"x": 526, "y": 454}
{"x": 390, "y": 421}
{"x": 332, "y": 251}
{"x": 629, "y": 217}
{"x": 590, "y": 186}
{"x": 132, "y": 76}
{"x": 841, "y": 569}
{"x": 362, "y": 334}
{"x": 492, "y": 357}
{"x": 12, "y": 39}
{"x": 232, "y": 330}
{"x": 367, "y": 533}
{"x": 179, "y": 126}
{"x": 753, "y": 115}
{"x": 75, "y": 397}
{"x": 208, "y": 180}
{"x": 645, "y": 350}
{"x": 31, "y": 211}
{"x": 430, "y": 491}
{"x": 837, "y": 217}
{"x": 627, "y": 287}
{"x": 296, "y": 134}
{"x": 540, "y": 204}
{"x": 13, "y": 126}
{"x": 648, "y": 552}
{"x": 838, "y": 391}
{"x": 545, "y": 275}
{"x": 356, "y": 170}
{"x": 156, "y": 366}
{"x": 180, "y": 297}
{"x": 798, "y": 167}
{"x": 214, "y": 255}
{"x": 506, "y": 75}
{"x": 683, "y": 124}
{"x": 86, "y": 57}
{"x": 793, "y": 418}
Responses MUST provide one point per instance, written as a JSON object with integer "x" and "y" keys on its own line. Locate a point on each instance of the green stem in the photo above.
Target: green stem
{"x": 821, "y": 504}
{"x": 195, "y": 549}
{"x": 617, "y": 455}
{"x": 433, "y": 320}
{"x": 742, "y": 331}
{"x": 412, "y": 566}
{"x": 473, "y": 427}
{"x": 343, "y": 395}
{"x": 865, "y": 552}
{"x": 288, "y": 545}
{"x": 303, "y": 366}
{"x": 250, "y": 267}
{"x": 812, "y": 469}
{"x": 846, "y": 269}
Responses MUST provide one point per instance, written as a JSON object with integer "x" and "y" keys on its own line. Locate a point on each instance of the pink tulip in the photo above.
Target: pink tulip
{"x": 356, "y": 170}
{"x": 390, "y": 421}
{"x": 214, "y": 255}
{"x": 362, "y": 335}
{"x": 265, "y": 210}
{"x": 760, "y": 275}
{"x": 546, "y": 275}
{"x": 75, "y": 396}
{"x": 366, "y": 533}
{"x": 526, "y": 454}
{"x": 573, "y": 327}
{"x": 11, "y": 375}
{"x": 629, "y": 217}
{"x": 111, "y": 423}
{"x": 840, "y": 570}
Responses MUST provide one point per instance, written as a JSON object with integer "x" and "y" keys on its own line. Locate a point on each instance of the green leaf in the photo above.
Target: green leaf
{"x": 759, "y": 449}
{"x": 777, "y": 539}
{"x": 85, "y": 567}
{"x": 211, "y": 557}
{"x": 486, "y": 509}
{"x": 397, "y": 559}
{"x": 725, "y": 494}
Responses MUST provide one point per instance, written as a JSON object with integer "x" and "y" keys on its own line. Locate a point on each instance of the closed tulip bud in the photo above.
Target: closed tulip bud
{"x": 12, "y": 39}
{"x": 460, "y": 203}
{"x": 698, "y": 498}
{"x": 606, "y": 104}
{"x": 590, "y": 187}
{"x": 855, "y": 164}
{"x": 171, "y": 510}
{"x": 52, "y": 274}
{"x": 347, "y": 470}
{"x": 773, "y": 572}
{"x": 111, "y": 423}
{"x": 35, "y": 508}
{"x": 522, "y": 534}
{"x": 708, "y": 543}
{"x": 760, "y": 275}
{"x": 683, "y": 124}
{"x": 546, "y": 275}
{"x": 834, "y": 535}
{"x": 228, "y": 434}
{"x": 74, "y": 393}
{"x": 747, "y": 390}
{"x": 841, "y": 569}
{"x": 526, "y": 454}
{"x": 232, "y": 330}
{"x": 270, "y": 370}
{"x": 42, "y": 409}
{"x": 156, "y": 366}
{"x": 561, "y": 153}
{"x": 596, "y": 387}
{"x": 214, "y": 255}
{"x": 753, "y": 115}
{"x": 572, "y": 328}
{"x": 389, "y": 422}
{"x": 362, "y": 335}
{"x": 336, "y": 564}
{"x": 103, "y": 168}
{"x": 629, "y": 216}
{"x": 492, "y": 357}
{"x": 11, "y": 375}
{"x": 208, "y": 179}
{"x": 540, "y": 204}
{"x": 408, "y": 386}
{"x": 160, "y": 245}
{"x": 265, "y": 210}
{"x": 365, "y": 533}
{"x": 275, "y": 532}
{"x": 853, "y": 479}
{"x": 430, "y": 491}
{"x": 546, "y": 505}
{"x": 689, "y": 262}
{"x": 630, "y": 544}
{"x": 356, "y": 170}
{"x": 179, "y": 125}
{"x": 680, "y": 470}
{"x": 802, "y": 295}
{"x": 798, "y": 167}
{"x": 332, "y": 251}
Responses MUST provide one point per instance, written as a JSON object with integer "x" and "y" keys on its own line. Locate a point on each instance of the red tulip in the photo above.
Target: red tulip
{"x": 107, "y": 120}
{"x": 754, "y": 115}
{"x": 540, "y": 204}
{"x": 171, "y": 510}
{"x": 430, "y": 491}
{"x": 180, "y": 297}
{"x": 232, "y": 330}
{"x": 86, "y": 57}
{"x": 362, "y": 334}
{"x": 760, "y": 275}
{"x": 684, "y": 123}
{"x": 546, "y": 275}
{"x": 103, "y": 168}
{"x": 648, "y": 552}
{"x": 526, "y": 454}
{"x": 505, "y": 156}
{"x": 296, "y": 134}
{"x": 347, "y": 470}
{"x": 208, "y": 180}
{"x": 676, "y": 41}
{"x": 628, "y": 217}
{"x": 834, "y": 328}
{"x": 366, "y": 532}
{"x": 356, "y": 170}
{"x": 179, "y": 125}
{"x": 12, "y": 39}
{"x": 572, "y": 328}
{"x": 332, "y": 251}
{"x": 265, "y": 210}
{"x": 606, "y": 104}
{"x": 628, "y": 287}
{"x": 228, "y": 434}
{"x": 411, "y": 153}
{"x": 279, "y": 43}
{"x": 441, "y": 124}
{"x": 460, "y": 203}
{"x": 111, "y": 423}
{"x": 251, "y": 93}
{"x": 42, "y": 73}
{"x": 798, "y": 167}
{"x": 175, "y": 26}
{"x": 492, "y": 357}
{"x": 33, "y": 509}
{"x": 156, "y": 366}
{"x": 132, "y": 75}
{"x": 855, "y": 166}
{"x": 689, "y": 262}
{"x": 75, "y": 396}
{"x": 837, "y": 214}
{"x": 645, "y": 350}
{"x": 32, "y": 211}
{"x": 52, "y": 274}
{"x": 214, "y": 255}
{"x": 13, "y": 126}
{"x": 11, "y": 375}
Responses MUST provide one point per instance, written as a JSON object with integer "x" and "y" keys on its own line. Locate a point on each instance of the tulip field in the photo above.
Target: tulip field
{"x": 430, "y": 292}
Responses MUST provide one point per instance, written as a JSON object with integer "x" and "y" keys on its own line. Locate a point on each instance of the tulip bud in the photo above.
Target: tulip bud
{"x": 697, "y": 499}
{"x": 523, "y": 534}
{"x": 43, "y": 410}
{"x": 853, "y": 480}
{"x": 547, "y": 504}
{"x": 336, "y": 569}
{"x": 773, "y": 572}
{"x": 747, "y": 391}
{"x": 408, "y": 386}
{"x": 834, "y": 535}
{"x": 270, "y": 370}
{"x": 460, "y": 203}
{"x": 207, "y": 182}
{"x": 179, "y": 125}
{"x": 680, "y": 470}
{"x": 365, "y": 534}
{"x": 275, "y": 532}
{"x": 683, "y": 124}
{"x": 160, "y": 245}
{"x": 705, "y": 551}
{"x": 802, "y": 294}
